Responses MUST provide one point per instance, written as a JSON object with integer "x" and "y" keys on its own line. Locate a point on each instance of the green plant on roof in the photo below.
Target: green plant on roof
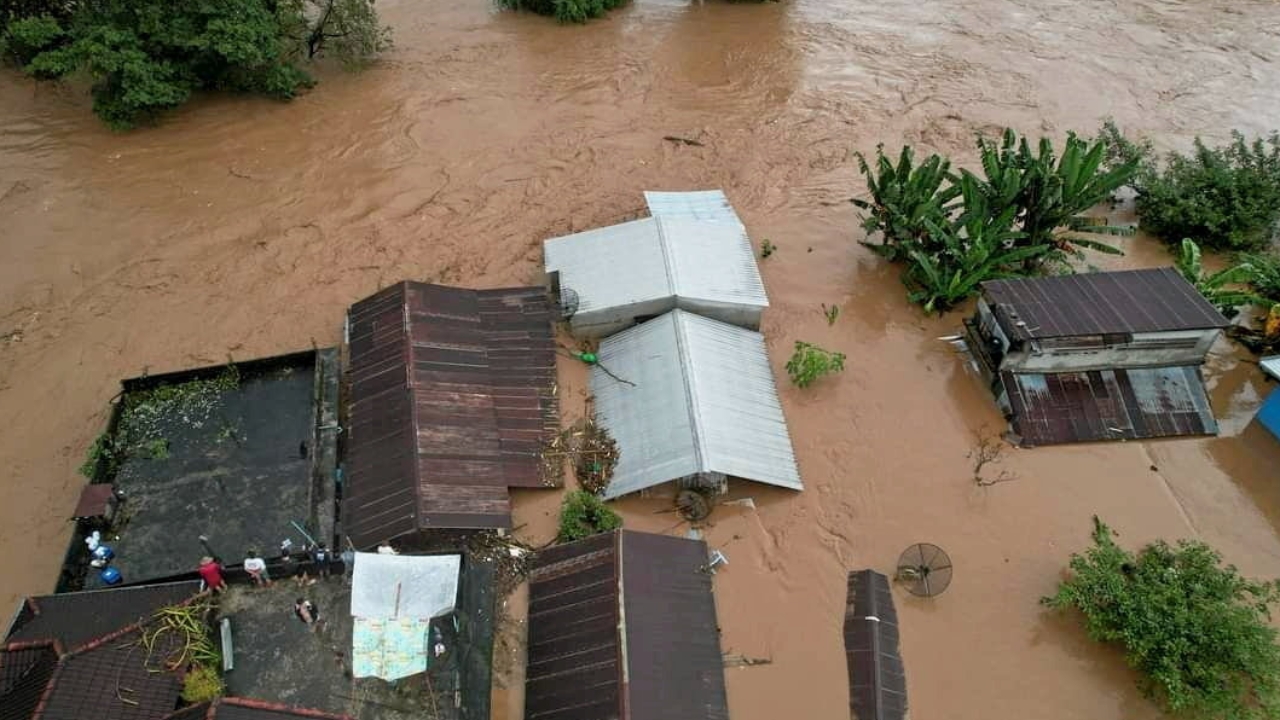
{"x": 583, "y": 515}
{"x": 1198, "y": 632}
{"x": 202, "y": 683}
{"x": 810, "y": 362}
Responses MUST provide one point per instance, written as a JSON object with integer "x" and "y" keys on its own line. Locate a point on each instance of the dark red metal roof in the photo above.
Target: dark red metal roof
{"x": 113, "y": 679}
{"x": 1127, "y": 301}
{"x": 94, "y": 499}
{"x": 651, "y": 591}
{"x": 452, "y": 397}
{"x": 877, "y": 682}
{"x": 1057, "y": 408}
{"x": 75, "y": 619}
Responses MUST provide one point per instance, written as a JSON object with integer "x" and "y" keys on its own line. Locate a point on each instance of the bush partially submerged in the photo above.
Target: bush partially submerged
{"x": 1226, "y": 197}
{"x": 583, "y": 515}
{"x": 566, "y": 11}
{"x": 810, "y": 362}
{"x": 1196, "y": 630}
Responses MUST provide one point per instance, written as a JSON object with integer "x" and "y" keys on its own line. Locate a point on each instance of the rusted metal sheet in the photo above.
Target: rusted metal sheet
{"x": 452, "y": 397}
{"x": 877, "y": 682}
{"x": 1058, "y": 408}
{"x": 646, "y": 595}
{"x": 1127, "y": 301}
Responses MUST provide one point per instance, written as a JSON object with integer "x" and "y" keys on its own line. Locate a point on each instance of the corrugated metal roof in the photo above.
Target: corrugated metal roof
{"x": 75, "y": 619}
{"x": 1127, "y": 301}
{"x": 1057, "y": 408}
{"x": 877, "y": 682}
{"x": 695, "y": 255}
{"x": 451, "y": 399}
{"x": 705, "y": 205}
{"x": 644, "y": 595}
{"x": 1271, "y": 366}
{"x": 703, "y": 401}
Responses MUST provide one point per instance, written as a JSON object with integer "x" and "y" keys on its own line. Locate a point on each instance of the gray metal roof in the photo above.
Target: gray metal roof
{"x": 703, "y": 401}
{"x": 693, "y": 253}
{"x": 1271, "y": 366}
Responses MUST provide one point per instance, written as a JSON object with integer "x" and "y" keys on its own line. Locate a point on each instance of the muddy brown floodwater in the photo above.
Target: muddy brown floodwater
{"x": 244, "y": 227}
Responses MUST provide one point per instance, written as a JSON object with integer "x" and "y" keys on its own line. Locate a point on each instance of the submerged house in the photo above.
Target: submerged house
{"x": 692, "y": 253}
{"x": 623, "y": 625}
{"x": 1269, "y": 413}
{"x": 877, "y": 679}
{"x": 693, "y": 400}
{"x": 1097, "y": 356}
{"x": 79, "y": 655}
{"x": 452, "y": 396}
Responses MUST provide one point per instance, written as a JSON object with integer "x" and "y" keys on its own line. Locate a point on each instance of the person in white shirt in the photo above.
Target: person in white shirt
{"x": 257, "y": 569}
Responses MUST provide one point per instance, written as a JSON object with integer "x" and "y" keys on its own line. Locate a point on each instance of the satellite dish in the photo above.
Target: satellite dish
{"x": 924, "y": 569}
{"x": 567, "y": 303}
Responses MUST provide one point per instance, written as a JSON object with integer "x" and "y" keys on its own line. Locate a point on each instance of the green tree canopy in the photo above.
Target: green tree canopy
{"x": 1196, "y": 630}
{"x": 148, "y": 56}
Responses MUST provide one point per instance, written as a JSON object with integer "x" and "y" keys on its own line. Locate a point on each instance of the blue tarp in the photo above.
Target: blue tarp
{"x": 1269, "y": 413}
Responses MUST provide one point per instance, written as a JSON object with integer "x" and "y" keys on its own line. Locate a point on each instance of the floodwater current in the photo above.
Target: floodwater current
{"x": 243, "y": 227}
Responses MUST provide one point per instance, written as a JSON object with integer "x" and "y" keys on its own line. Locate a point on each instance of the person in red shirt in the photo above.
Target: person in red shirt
{"x": 212, "y": 574}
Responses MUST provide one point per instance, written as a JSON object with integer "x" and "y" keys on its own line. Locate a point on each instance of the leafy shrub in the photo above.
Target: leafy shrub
{"x": 1023, "y": 214}
{"x": 1223, "y": 288}
{"x": 1227, "y": 197}
{"x": 149, "y": 56}
{"x": 583, "y": 515}
{"x": 566, "y": 11}
{"x": 810, "y": 362}
{"x": 202, "y": 683}
{"x": 1196, "y": 630}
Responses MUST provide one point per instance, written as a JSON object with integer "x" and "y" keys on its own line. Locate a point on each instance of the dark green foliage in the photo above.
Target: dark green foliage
{"x": 101, "y": 454}
{"x": 583, "y": 515}
{"x": 1224, "y": 289}
{"x": 1020, "y": 217}
{"x": 810, "y": 362}
{"x": 1227, "y": 197}
{"x": 1197, "y": 631}
{"x": 566, "y": 11}
{"x": 145, "y": 57}
{"x": 767, "y": 248}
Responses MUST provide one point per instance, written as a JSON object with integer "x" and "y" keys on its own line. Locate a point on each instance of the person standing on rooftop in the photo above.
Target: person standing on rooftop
{"x": 211, "y": 573}
{"x": 257, "y": 569}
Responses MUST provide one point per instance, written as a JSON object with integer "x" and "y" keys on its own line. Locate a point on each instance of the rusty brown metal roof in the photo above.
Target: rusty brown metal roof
{"x": 452, "y": 397}
{"x": 1069, "y": 407}
{"x": 1127, "y": 301}
{"x": 877, "y": 682}
{"x": 648, "y": 595}
{"x": 75, "y": 619}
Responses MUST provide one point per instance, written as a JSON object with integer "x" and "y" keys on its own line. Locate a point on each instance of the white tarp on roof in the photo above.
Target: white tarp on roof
{"x": 703, "y": 402}
{"x": 693, "y": 253}
{"x": 404, "y": 586}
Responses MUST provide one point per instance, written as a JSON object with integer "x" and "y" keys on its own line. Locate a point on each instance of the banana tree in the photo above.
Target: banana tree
{"x": 1217, "y": 287}
{"x": 1051, "y": 193}
{"x": 905, "y": 199}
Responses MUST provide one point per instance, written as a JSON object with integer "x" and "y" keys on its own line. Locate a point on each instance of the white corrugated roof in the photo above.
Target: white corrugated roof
{"x": 705, "y": 205}
{"x": 693, "y": 247}
{"x": 1271, "y": 366}
{"x": 704, "y": 401}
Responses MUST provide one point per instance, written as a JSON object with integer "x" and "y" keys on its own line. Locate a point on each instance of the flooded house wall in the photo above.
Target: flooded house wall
{"x": 1183, "y": 347}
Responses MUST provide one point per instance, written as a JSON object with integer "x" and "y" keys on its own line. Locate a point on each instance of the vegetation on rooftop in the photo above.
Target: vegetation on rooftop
{"x": 1197, "y": 631}
{"x": 583, "y": 515}
{"x": 1023, "y": 216}
{"x": 145, "y": 57}
{"x": 1225, "y": 197}
{"x": 809, "y": 363}
{"x": 566, "y": 11}
{"x": 146, "y": 414}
